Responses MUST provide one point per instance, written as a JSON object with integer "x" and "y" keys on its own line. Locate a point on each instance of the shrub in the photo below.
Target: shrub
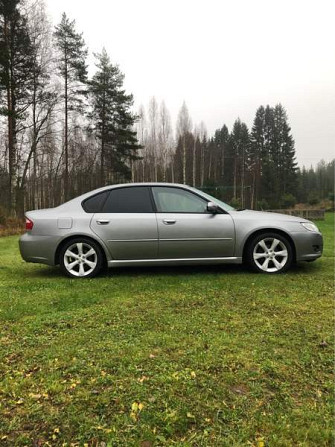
{"x": 262, "y": 205}
{"x": 313, "y": 198}
{"x": 287, "y": 200}
{"x": 2, "y": 216}
{"x": 235, "y": 203}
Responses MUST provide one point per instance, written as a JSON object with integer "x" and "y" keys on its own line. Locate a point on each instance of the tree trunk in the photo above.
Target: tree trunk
{"x": 202, "y": 165}
{"x": 11, "y": 121}
{"x": 12, "y": 154}
{"x": 235, "y": 180}
{"x": 66, "y": 140}
{"x": 242, "y": 178}
{"x": 184, "y": 160}
{"x": 194, "y": 162}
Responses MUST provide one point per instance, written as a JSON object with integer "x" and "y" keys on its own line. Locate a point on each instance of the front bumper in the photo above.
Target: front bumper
{"x": 39, "y": 249}
{"x": 309, "y": 245}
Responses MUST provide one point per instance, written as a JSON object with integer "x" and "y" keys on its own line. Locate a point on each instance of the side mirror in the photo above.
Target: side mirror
{"x": 212, "y": 207}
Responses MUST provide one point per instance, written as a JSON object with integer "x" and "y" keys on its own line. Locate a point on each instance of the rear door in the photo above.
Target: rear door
{"x": 127, "y": 223}
{"x": 187, "y": 230}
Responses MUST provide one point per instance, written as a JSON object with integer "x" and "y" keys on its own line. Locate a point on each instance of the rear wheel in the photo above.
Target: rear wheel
{"x": 269, "y": 253}
{"x": 81, "y": 258}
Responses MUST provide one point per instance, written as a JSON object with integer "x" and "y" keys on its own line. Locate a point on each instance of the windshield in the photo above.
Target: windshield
{"x": 223, "y": 205}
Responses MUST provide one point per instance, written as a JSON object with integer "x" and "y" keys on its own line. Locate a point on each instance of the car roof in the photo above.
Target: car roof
{"x": 76, "y": 202}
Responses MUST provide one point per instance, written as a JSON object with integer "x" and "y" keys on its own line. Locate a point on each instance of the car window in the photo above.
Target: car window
{"x": 94, "y": 204}
{"x": 223, "y": 205}
{"x": 176, "y": 200}
{"x": 129, "y": 200}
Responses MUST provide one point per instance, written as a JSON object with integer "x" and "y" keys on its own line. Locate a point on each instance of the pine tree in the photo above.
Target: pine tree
{"x": 272, "y": 156}
{"x": 240, "y": 147}
{"x": 268, "y": 170}
{"x": 286, "y": 163}
{"x": 72, "y": 68}
{"x": 112, "y": 120}
{"x": 256, "y": 155}
{"x": 221, "y": 141}
{"x": 15, "y": 81}
{"x": 184, "y": 126}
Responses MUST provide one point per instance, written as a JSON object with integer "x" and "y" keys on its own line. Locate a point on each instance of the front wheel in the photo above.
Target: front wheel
{"x": 269, "y": 253}
{"x": 81, "y": 258}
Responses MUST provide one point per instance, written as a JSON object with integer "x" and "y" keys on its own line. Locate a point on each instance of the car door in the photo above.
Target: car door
{"x": 127, "y": 223}
{"x": 187, "y": 230}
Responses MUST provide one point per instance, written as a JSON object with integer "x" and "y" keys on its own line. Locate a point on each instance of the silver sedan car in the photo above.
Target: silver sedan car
{"x": 163, "y": 224}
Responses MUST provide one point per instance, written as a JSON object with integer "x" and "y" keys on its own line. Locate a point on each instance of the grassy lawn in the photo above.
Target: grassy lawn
{"x": 201, "y": 356}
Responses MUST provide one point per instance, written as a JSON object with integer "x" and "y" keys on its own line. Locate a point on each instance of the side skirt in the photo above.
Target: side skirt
{"x": 182, "y": 261}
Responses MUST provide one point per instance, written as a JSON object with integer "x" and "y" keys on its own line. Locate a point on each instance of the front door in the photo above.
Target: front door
{"x": 187, "y": 230}
{"x": 127, "y": 224}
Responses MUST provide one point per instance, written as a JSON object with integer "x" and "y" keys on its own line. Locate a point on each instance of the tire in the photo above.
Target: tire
{"x": 81, "y": 258}
{"x": 269, "y": 253}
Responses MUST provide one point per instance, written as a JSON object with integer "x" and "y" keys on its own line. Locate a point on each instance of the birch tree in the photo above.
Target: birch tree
{"x": 165, "y": 138}
{"x": 142, "y": 136}
{"x": 44, "y": 95}
{"x": 153, "y": 117}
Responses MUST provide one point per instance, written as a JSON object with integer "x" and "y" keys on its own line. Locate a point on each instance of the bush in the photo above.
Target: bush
{"x": 287, "y": 200}
{"x": 262, "y": 205}
{"x": 3, "y": 216}
{"x": 313, "y": 198}
{"x": 331, "y": 196}
{"x": 235, "y": 203}
{"x": 10, "y": 225}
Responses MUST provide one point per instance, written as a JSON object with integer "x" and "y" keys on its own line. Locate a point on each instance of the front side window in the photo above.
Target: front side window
{"x": 176, "y": 200}
{"x": 129, "y": 200}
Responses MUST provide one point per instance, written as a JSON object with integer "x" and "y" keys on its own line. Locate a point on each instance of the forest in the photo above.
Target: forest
{"x": 63, "y": 132}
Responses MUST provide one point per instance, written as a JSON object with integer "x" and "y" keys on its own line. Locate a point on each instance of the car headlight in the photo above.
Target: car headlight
{"x": 310, "y": 226}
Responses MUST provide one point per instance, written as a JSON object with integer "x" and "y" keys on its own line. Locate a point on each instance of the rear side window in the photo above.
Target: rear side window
{"x": 134, "y": 199}
{"x": 94, "y": 204}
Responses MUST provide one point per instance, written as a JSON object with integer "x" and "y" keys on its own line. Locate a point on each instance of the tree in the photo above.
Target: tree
{"x": 165, "y": 137}
{"x": 221, "y": 140}
{"x": 256, "y": 154}
{"x": 184, "y": 126}
{"x": 15, "y": 81}
{"x": 240, "y": 147}
{"x": 43, "y": 95}
{"x": 203, "y": 147}
{"x": 287, "y": 165}
{"x": 153, "y": 117}
{"x": 72, "y": 69}
{"x": 112, "y": 120}
{"x": 142, "y": 136}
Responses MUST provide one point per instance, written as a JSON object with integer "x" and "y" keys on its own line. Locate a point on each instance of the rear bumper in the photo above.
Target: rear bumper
{"x": 39, "y": 249}
{"x": 309, "y": 246}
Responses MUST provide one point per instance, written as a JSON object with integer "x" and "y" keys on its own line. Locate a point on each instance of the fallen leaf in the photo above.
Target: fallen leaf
{"x": 134, "y": 406}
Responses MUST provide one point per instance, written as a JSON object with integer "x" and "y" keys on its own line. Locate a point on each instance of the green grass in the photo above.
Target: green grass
{"x": 201, "y": 356}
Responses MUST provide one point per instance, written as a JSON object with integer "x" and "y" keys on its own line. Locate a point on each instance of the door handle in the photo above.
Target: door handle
{"x": 169, "y": 221}
{"x": 102, "y": 222}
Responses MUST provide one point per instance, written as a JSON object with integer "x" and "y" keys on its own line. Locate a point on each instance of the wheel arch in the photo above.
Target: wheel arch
{"x": 269, "y": 230}
{"x": 76, "y": 236}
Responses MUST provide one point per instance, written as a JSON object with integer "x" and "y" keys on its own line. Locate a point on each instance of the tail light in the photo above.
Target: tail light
{"x": 29, "y": 224}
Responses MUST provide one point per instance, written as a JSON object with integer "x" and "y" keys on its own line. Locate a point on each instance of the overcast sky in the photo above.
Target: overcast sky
{"x": 224, "y": 58}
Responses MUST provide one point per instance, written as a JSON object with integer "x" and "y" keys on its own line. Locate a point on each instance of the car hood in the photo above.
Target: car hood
{"x": 265, "y": 215}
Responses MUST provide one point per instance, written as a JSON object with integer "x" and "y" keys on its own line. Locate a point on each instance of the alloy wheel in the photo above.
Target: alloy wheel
{"x": 80, "y": 259}
{"x": 270, "y": 255}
